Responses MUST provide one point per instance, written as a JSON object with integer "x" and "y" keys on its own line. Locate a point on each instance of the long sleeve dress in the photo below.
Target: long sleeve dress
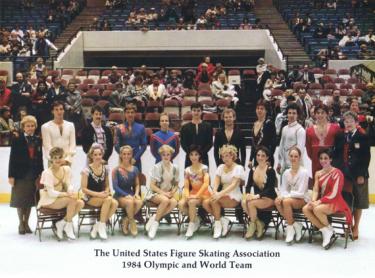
{"x": 295, "y": 186}
{"x": 330, "y": 188}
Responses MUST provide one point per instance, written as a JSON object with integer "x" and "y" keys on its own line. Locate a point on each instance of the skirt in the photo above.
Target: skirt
{"x": 23, "y": 192}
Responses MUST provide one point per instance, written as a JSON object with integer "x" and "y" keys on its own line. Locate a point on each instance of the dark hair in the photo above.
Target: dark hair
{"x": 263, "y": 103}
{"x": 96, "y": 108}
{"x": 321, "y": 107}
{"x": 57, "y": 103}
{"x": 195, "y": 148}
{"x": 196, "y": 105}
{"x": 263, "y": 149}
{"x": 292, "y": 106}
{"x": 327, "y": 151}
{"x": 295, "y": 148}
{"x": 290, "y": 98}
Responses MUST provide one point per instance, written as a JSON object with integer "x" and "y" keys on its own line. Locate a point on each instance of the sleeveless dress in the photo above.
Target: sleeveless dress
{"x": 94, "y": 182}
{"x": 196, "y": 181}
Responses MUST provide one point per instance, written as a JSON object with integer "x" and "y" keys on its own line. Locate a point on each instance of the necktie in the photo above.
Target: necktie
{"x": 349, "y": 136}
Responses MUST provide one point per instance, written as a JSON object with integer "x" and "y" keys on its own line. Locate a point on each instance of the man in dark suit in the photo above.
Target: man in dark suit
{"x": 352, "y": 156}
{"x": 95, "y": 132}
{"x": 57, "y": 92}
{"x": 21, "y": 95}
{"x": 307, "y": 76}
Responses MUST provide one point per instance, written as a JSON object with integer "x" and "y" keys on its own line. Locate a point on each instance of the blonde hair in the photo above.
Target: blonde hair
{"x": 227, "y": 111}
{"x": 229, "y": 149}
{"x": 164, "y": 114}
{"x": 130, "y": 106}
{"x": 56, "y": 151}
{"x": 129, "y": 148}
{"x": 166, "y": 148}
{"x": 90, "y": 153}
{"x": 28, "y": 119}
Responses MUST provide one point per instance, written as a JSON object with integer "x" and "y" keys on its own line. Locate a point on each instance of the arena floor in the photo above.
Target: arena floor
{"x": 22, "y": 256}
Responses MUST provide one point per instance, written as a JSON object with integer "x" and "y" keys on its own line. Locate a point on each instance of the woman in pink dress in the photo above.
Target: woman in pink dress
{"x": 327, "y": 198}
{"x": 320, "y": 135}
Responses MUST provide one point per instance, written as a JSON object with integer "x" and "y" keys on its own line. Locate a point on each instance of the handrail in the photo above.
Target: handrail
{"x": 278, "y": 47}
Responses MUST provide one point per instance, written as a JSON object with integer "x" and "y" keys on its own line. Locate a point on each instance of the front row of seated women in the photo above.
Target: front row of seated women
{"x": 226, "y": 192}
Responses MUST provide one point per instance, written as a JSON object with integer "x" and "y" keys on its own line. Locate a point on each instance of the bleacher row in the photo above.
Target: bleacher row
{"x": 118, "y": 17}
{"x": 364, "y": 19}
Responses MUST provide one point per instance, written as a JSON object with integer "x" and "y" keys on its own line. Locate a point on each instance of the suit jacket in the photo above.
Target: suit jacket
{"x": 267, "y": 138}
{"x": 20, "y": 162}
{"x": 358, "y": 155}
{"x": 237, "y": 140}
{"x": 310, "y": 78}
{"x": 52, "y": 96}
{"x": 89, "y": 137}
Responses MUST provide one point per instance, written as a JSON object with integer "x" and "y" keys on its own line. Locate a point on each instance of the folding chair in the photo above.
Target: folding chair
{"x": 92, "y": 214}
{"x": 46, "y": 215}
{"x": 299, "y": 217}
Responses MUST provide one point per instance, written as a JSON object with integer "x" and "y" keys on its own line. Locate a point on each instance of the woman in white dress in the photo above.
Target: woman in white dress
{"x": 163, "y": 186}
{"x": 58, "y": 192}
{"x": 293, "y": 194}
{"x": 226, "y": 192}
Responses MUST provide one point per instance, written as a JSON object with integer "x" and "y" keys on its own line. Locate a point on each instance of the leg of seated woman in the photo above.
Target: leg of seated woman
{"x": 279, "y": 206}
{"x": 163, "y": 204}
{"x": 104, "y": 212}
{"x": 254, "y": 205}
{"x": 216, "y": 209}
{"x": 113, "y": 208}
{"x": 172, "y": 204}
{"x": 128, "y": 204}
{"x": 193, "y": 203}
{"x": 321, "y": 211}
{"x": 288, "y": 205}
{"x": 308, "y": 211}
{"x": 244, "y": 206}
{"x": 137, "y": 205}
{"x": 183, "y": 206}
{"x": 98, "y": 203}
{"x": 226, "y": 202}
{"x": 64, "y": 202}
{"x": 207, "y": 205}
{"x": 79, "y": 204}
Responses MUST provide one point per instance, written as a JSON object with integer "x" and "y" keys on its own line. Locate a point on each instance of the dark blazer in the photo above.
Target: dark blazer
{"x": 268, "y": 189}
{"x": 237, "y": 139}
{"x": 268, "y": 140}
{"x": 89, "y": 137}
{"x": 358, "y": 155}
{"x": 20, "y": 162}
{"x": 203, "y": 138}
{"x": 52, "y": 96}
{"x": 310, "y": 77}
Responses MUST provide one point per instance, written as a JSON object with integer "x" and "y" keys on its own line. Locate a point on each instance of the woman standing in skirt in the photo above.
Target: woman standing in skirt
{"x": 25, "y": 165}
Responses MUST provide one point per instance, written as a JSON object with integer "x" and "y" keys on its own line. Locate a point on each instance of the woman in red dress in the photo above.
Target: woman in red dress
{"x": 320, "y": 135}
{"x": 327, "y": 198}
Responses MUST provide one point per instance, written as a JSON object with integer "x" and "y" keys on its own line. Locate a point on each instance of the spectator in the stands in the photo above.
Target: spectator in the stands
{"x": 39, "y": 70}
{"x": 5, "y": 48}
{"x": 96, "y": 25}
{"x": 337, "y": 54}
{"x": 340, "y": 31}
{"x": 331, "y": 4}
{"x": 21, "y": 94}
{"x": 18, "y": 31}
{"x": 187, "y": 10}
{"x": 307, "y": 75}
{"x": 6, "y": 126}
{"x": 31, "y": 33}
{"x": 56, "y": 92}
{"x": 188, "y": 81}
{"x": 5, "y": 94}
{"x": 106, "y": 26}
{"x": 175, "y": 90}
{"x": 207, "y": 64}
{"x": 218, "y": 70}
{"x": 118, "y": 98}
{"x": 262, "y": 66}
{"x": 368, "y": 95}
{"x": 114, "y": 76}
{"x": 73, "y": 107}
{"x": 42, "y": 45}
{"x": 203, "y": 76}
{"x": 365, "y": 54}
{"x": 156, "y": 91}
{"x": 348, "y": 40}
{"x": 39, "y": 102}
{"x": 320, "y": 31}
{"x": 97, "y": 132}
{"x": 369, "y": 38}
{"x": 294, "y": 76}
{"x": 221, "y": 89}
{"x": 138, "y": 91}
{"x": 305, "y": 103}
{"x": 245, "y": 25}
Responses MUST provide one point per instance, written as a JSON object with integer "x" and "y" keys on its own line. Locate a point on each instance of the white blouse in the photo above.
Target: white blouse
{"x": 295, "y": 186}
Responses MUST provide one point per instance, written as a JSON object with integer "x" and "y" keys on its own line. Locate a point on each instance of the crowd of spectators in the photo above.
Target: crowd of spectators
{"x": 177, "y": 14}
{"x": 27, "y": 39}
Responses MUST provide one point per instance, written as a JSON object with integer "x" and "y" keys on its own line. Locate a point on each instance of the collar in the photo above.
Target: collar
{"x": 293, "y": 124}
{"x": 96, "y": 126}
{"x": 25, "y": 134}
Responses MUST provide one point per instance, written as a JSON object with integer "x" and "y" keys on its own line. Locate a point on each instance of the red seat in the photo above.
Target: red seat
{"x": 222, "y": 103}
{"x": 234, "y": 72}
{"x": 116, "y": 117}
{"x": 315, "y": 86}
{"x": 152, "y": 119}
{"x": 353, "y": 81}
{"x": 357, "y": 92}
{"x": 330, "y": 86}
